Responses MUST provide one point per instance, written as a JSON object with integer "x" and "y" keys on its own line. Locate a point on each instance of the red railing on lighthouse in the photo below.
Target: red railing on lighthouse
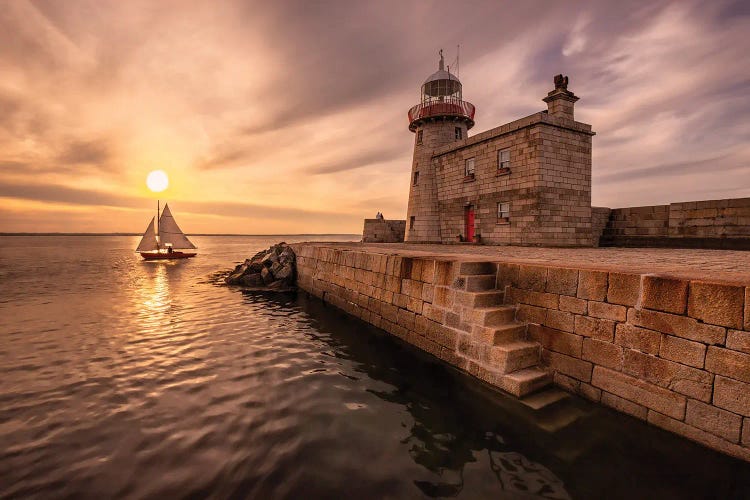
{"x": 448, "y": 106}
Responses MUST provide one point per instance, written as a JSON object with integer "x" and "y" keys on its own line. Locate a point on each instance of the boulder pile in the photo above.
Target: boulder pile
{"x": 272, "y": 269}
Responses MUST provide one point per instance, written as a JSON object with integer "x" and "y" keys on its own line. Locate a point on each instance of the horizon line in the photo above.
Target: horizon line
{"x": 187, "y": 234}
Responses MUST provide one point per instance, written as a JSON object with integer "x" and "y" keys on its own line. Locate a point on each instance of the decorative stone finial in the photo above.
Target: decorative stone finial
{"x": 561, "y": 82}
{"x": 560, "y": 100}
{"x": 441, "y": 66}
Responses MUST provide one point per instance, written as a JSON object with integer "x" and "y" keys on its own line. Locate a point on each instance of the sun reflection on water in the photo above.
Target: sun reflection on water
{"x": 154, "y": 295}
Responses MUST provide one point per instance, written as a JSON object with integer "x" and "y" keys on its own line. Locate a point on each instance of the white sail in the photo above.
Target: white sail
{"x": 148, "y": 242}
{"x": 170, "y": 233}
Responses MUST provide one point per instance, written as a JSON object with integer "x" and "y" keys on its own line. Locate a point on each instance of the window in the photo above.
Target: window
{"x": 503, "y": 161}
{"x": 459, "y": 133}
{"x": 469, "y": 168}
{"x": 416, "y": 177}
{"x": 503, "y": 211}
{"x": 419, "y": 136}
{"x": 411, "y": 222}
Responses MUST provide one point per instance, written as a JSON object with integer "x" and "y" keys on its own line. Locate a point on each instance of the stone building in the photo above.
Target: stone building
{"x": 527, "y": 182}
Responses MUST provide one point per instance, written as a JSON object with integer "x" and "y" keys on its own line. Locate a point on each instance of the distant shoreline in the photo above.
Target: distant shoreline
{"x": 193, "y": 234}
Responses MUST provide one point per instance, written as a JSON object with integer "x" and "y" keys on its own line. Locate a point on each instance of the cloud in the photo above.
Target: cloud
{"x": 86, "y": 153}
{"x": 226, "y": 156}
{"x": 728, "y": 164}
{"x": 253, "y": 106}
{"x": 362, "y": 160}
{"x": 576, "y": 41}
{"x": 64, "y": 194}
{"x": 74, "y": 196}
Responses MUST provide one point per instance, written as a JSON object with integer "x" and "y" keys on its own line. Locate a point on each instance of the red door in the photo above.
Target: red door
{"x": 469, "y": 223}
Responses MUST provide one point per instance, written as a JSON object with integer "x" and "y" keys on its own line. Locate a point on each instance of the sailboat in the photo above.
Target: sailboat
{"x": 166, "y": 240}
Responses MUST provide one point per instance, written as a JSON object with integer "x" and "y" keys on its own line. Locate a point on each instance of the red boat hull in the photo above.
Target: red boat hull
{"x": 166, "y": 255}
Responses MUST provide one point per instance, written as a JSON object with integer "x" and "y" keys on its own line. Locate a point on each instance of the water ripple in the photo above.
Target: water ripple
{"x": 122, "y": 378}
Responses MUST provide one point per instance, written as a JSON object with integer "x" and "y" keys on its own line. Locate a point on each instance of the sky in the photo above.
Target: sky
{"x": 290, "y": 116}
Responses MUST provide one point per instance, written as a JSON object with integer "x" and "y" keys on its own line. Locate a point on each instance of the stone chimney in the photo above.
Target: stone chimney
{"x": 561, "y": 100}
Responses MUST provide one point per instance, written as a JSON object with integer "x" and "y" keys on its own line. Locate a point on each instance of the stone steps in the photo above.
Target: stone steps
{"x": 499, "y": 343}
{"x": 480, "y": 299}
{"x": 514, "y": 356}
{"x": 545, "y": 398}
{"x": 557, "y": 421}
{"x": 479, "y": 282}
{"x": 493, "y": 316}
{"x": 509, "y": 332}
{"x": 525, "y": 381}
{"x": 469, "y": 268}
{"x": 557, "y": 418}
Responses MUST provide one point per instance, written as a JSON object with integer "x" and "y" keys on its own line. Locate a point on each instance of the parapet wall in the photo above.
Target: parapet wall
{"x": 695, "y": 224}
{"x": 672, "y": 352}
{"x": 383, "y": 231}
{"x": 599, "y": 221}
{"x": 710, "y": 219}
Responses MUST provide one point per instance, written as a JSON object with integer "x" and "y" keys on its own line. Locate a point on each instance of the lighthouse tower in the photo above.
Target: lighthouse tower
{"x": 440, "y": 118}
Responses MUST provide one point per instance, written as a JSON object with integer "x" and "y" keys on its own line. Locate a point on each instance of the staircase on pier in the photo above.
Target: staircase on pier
{"x": 497, "y": 349}
{"x": 495, "y": 345}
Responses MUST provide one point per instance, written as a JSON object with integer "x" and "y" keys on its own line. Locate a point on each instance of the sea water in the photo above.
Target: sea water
{"x": 132, "y": 379}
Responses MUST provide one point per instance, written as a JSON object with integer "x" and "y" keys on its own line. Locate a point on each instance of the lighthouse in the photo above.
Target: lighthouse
{"x": 441, "y": 117}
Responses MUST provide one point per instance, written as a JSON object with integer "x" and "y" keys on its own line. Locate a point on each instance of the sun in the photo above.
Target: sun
{"x": 157, "y": 181}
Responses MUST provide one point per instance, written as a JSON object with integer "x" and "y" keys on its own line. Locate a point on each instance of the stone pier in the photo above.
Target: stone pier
{"x": 659, "y": 334}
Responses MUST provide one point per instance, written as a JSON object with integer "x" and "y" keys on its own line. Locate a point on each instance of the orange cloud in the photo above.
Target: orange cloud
{"x": 277, "y": 118}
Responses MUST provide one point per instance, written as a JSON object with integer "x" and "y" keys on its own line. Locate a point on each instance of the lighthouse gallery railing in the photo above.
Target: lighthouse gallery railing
{"x": 448, "y": 106}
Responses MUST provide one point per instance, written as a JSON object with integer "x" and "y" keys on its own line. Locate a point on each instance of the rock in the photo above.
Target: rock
{"x": 273, "y": 269}
{"x": 235, "y": 276}
{"x": 277, "y": 285}
{"x": 269, "y": 259}
{"x": 286, "y": 256}
{"x": 259, "y": 255}
{"x": 266, "y": 276}
{"x": 253, "y": 279}
{"x": 285, "y": 272}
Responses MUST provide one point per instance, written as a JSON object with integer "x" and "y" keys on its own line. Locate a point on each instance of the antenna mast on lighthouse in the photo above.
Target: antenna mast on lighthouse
{"x": 458, "y": 60}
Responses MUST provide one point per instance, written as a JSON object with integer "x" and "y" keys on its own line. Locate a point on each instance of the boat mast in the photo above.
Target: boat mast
{"x": 157, "y": 223}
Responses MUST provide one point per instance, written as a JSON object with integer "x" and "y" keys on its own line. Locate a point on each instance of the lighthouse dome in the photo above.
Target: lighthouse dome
{"x": 441, "y": 84}
{"x": 441, "y": 74}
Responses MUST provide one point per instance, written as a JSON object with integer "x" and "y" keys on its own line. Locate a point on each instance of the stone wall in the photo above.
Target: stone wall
{"x": 672, "y": 352}
{"x": 638, "y": 221}
{"x": 422, "y": 213}
{"x": 488, "y": 186}
{"x": 387, "y": 291}
{"x": 548, "y": 185}
{"x": 695, "y": 224}
{"x": 599, "y": 221}
{"x": 675, "y": 353}
{"x": 383, "y": 231}
{"x": 427, "y": 302}
{"x": 710, "y": 219}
